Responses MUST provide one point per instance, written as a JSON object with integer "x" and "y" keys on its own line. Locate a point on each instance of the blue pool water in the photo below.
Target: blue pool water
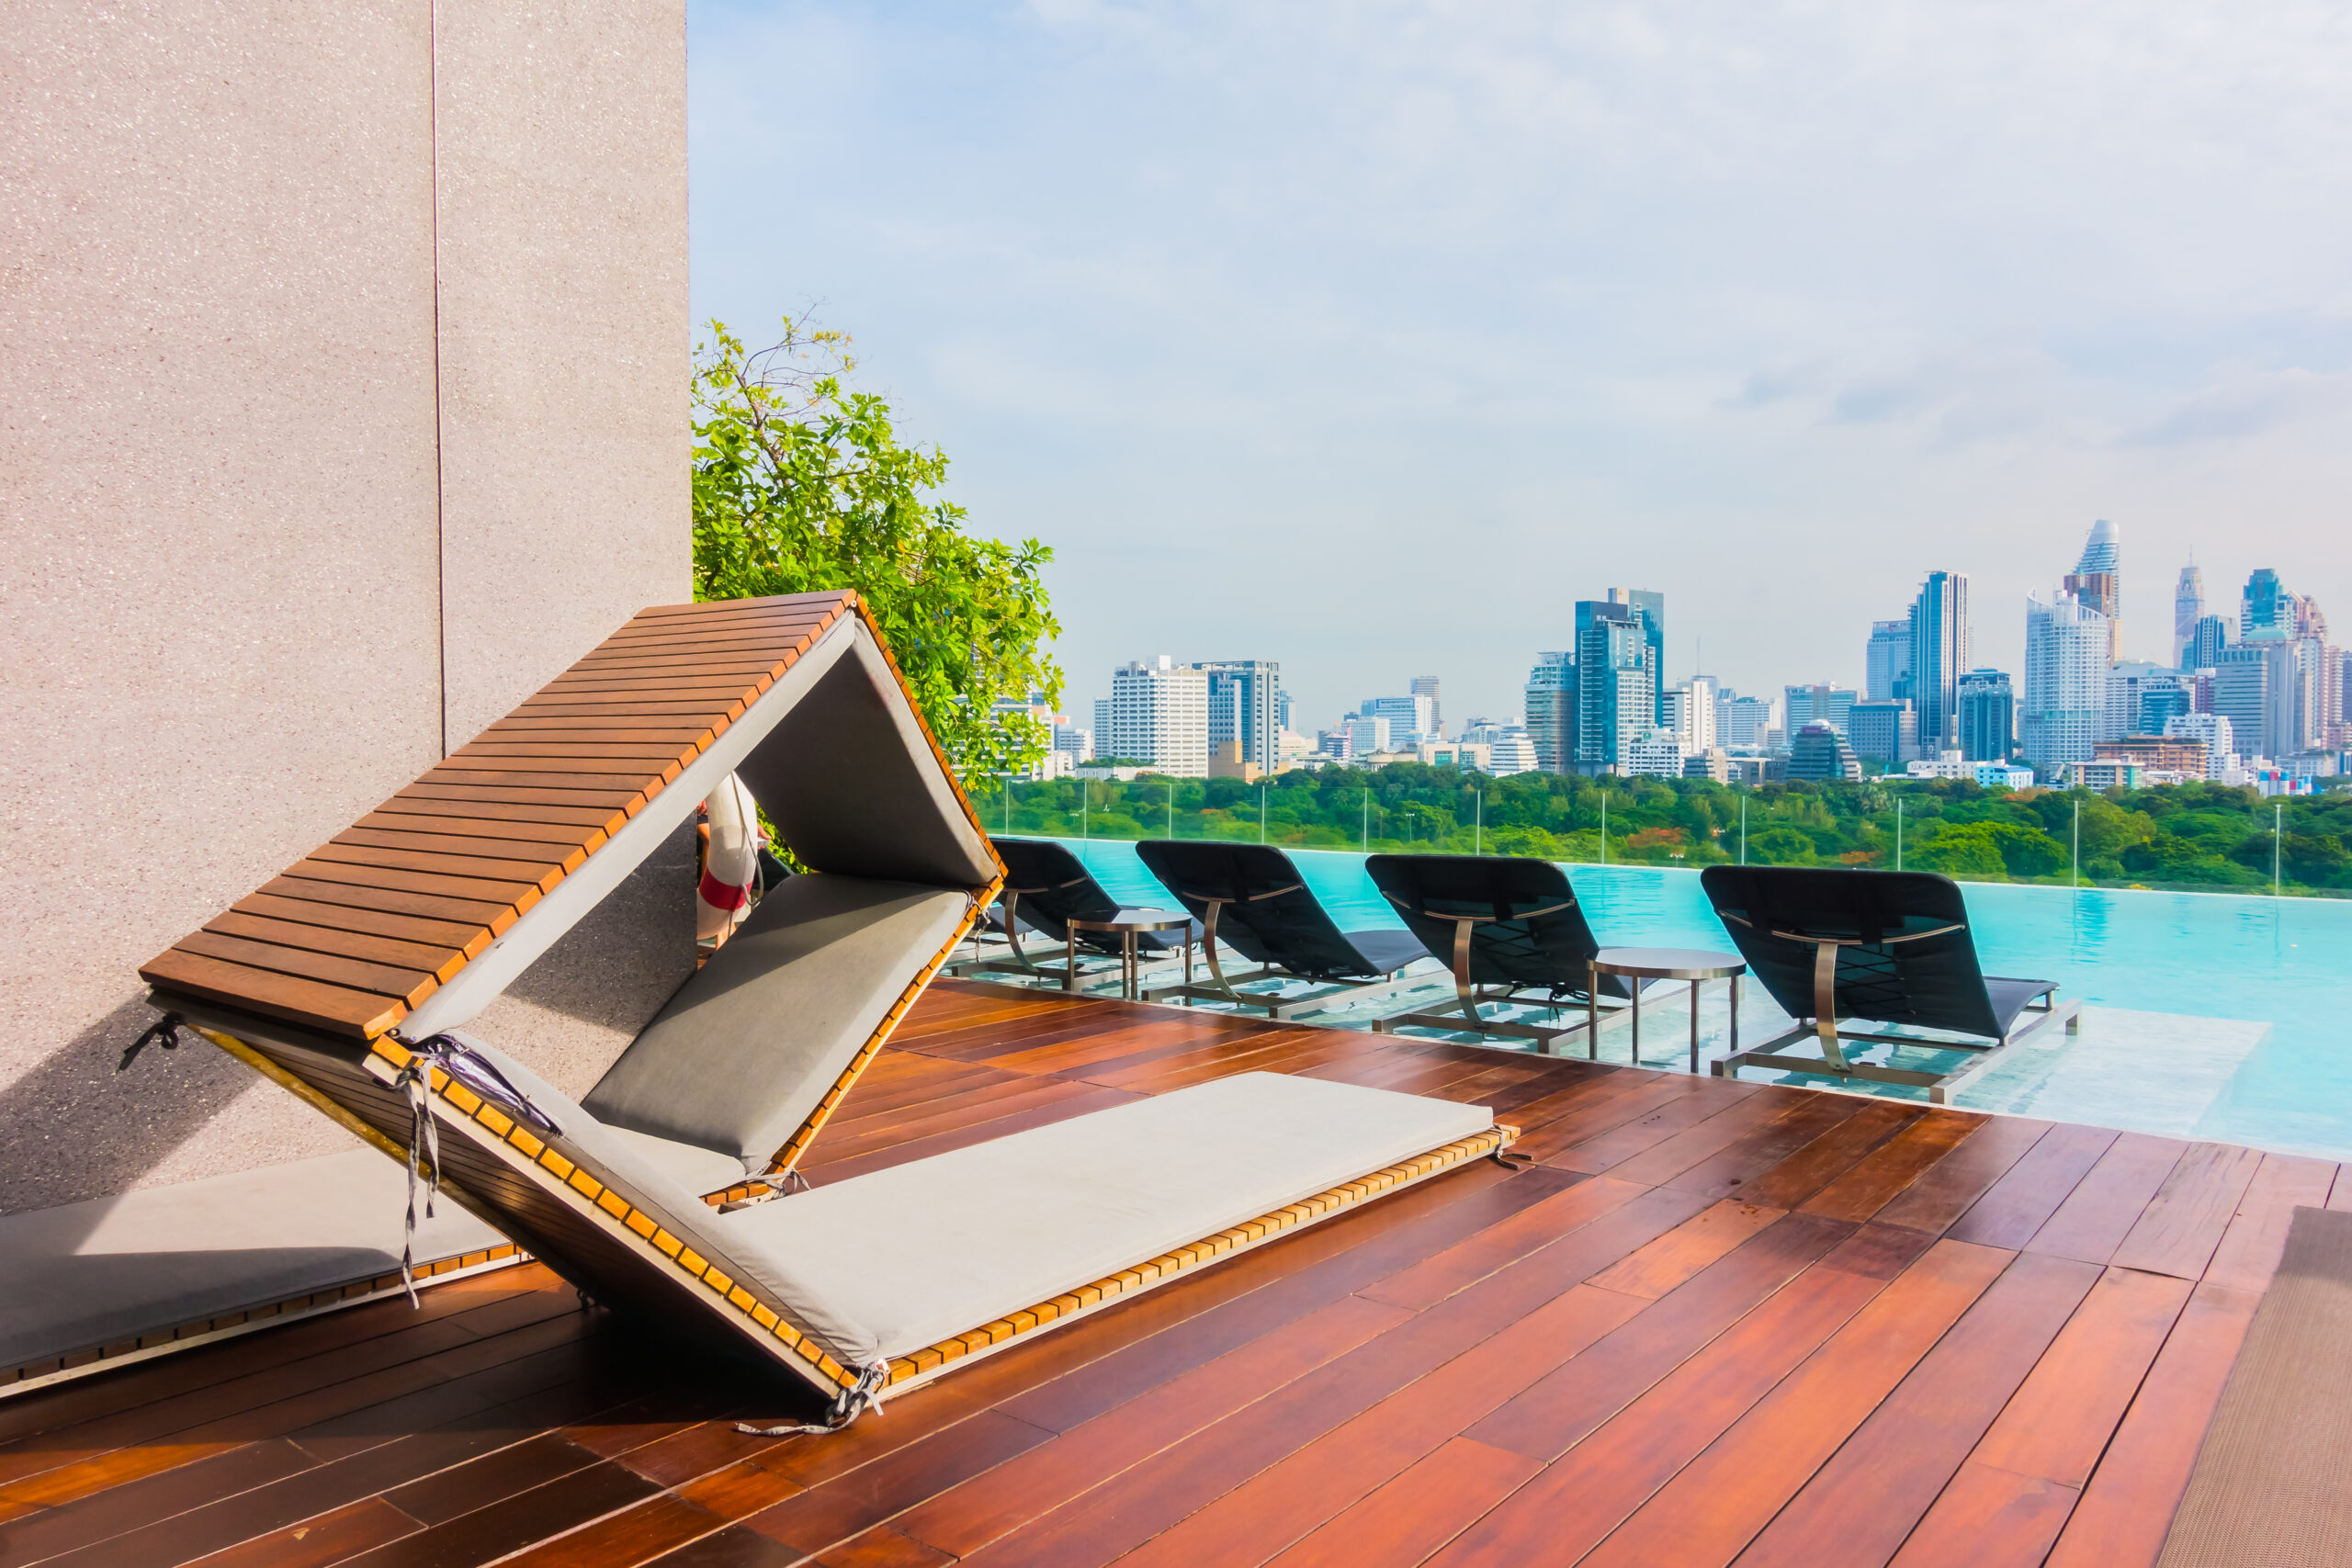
{"x": 2284, "y": 962}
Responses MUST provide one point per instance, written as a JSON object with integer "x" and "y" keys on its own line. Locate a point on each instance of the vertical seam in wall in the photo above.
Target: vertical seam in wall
{"x": 440, "y": 542}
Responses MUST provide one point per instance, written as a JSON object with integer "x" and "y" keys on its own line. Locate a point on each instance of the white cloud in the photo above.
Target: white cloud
{"x": 1369, "y": 337}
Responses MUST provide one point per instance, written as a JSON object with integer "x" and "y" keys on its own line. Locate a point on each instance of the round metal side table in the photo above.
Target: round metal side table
{"x": 1127, "y": 925}
{"x": 1640, "y": 963}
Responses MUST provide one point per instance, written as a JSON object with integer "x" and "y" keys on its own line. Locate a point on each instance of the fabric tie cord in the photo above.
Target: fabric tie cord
{"x": 414, "y": 1081}
{"x": 852, "y": 1402}
{"x": 164, "y": 1032}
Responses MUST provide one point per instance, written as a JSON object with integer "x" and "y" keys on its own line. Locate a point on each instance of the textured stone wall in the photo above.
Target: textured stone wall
{"x": 343, "y": 402}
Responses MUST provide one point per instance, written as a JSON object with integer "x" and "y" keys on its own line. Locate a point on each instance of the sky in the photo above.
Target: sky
{"x": 1369, "y": 338}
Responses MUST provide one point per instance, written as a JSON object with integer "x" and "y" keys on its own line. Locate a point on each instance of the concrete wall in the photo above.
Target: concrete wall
{"x": 343, "y": 402}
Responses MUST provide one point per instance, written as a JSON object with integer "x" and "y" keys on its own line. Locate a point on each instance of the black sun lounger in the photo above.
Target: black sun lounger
{"x": 349, "y": 980}
{"x": 1508, "y": 925}
{"x": 1252, "y": 899}
{"x": 1046, "y": 887}
{"x": 1888, "y": 947}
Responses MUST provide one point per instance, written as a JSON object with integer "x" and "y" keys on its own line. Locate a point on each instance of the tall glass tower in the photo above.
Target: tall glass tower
{"x": 2098, "y": 581}
{"x": 1940, "y": 652}
{"x": 2187, "y": 609}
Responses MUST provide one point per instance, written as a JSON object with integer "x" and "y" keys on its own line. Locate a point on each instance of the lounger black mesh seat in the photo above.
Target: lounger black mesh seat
{"x": 1506, "y": 924}
{"x": 1046, "y": 887}
{"x": 1252, "y": 899}
{"x": 1891, "y": 948}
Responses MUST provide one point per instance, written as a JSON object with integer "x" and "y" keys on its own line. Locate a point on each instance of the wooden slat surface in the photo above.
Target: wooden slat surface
{"x": 455, "y": 858}
{"x": 1904, "y": 1360}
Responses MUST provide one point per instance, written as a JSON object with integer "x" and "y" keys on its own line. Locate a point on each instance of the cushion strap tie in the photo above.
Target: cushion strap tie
{"x": 164, "y": 1032}
{"x": 860, "y": 1396}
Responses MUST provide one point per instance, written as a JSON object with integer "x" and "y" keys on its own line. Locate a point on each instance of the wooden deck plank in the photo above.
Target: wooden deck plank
{"x": 2256, "y": 1235}
{"x": 2179, "y": 1231}
{"x": 1856, "y": 1510}
{"x": 1641, "y": 1359}
{"x": 1714, "y": 1507}
{"x": 1888, "y": 1171}
{"x": 2022, "y": 1200}
{"x": 2125, "y": 1511}
{"x": 2109, "y": 1199}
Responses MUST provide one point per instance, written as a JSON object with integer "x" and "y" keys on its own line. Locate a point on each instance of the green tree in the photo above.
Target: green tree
{"x": 800, "y": 485}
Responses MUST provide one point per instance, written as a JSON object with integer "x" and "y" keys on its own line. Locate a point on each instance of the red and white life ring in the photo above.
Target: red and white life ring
{"x": 731, "y": 861}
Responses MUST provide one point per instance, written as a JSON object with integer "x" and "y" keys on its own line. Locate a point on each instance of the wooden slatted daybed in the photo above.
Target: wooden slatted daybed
{"x": 348, "y": 980}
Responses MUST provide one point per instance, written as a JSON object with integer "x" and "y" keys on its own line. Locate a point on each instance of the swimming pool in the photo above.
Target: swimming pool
{"x": 2284, "y": 962}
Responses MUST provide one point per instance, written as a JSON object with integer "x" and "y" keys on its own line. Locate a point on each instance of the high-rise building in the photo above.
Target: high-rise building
{"x": 2126, "y": 683}
{"x": 1988, "y": 717}
{"x": 2066, "y": 685}
{"x": 1426, "y": 686}
{"x": 1616, "y": 682}
{"x": 1511, "y": 750}
{"x": 1886, "y": 661}
{"x": 2163, "y": 701}
{"x": 1654, "y": 751}
{"x": 2098, "y": 581}
{"x": 2246, "y": 688}
{"x": 1817, "y": 752}
{"x": 1551, "y": 700}
{"x": 2187, "y": 609}
{"x": 1885, "y": 733}
{"x": 2215, "y": 731}
{"x": 1159, "y": 716}
{"x": 1368, "y": 733}
{"x": 1651, "y": 609}
{"x": 1743, "y": 721}
{"x": 2206, "y": 640}
{"x": 1245, "y": 705}
{"x": 1410, "y": 720}
{"x": 2267, "y": 609}
{"x": 1833, "y": 706}
{"x": 1940, "y": 651}
{"x": 1690, "y": 713}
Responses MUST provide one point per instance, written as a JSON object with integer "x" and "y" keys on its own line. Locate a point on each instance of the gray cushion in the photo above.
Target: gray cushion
{"x": 697, "y": 1170}
{"x": 748, "y": 1047}
{"x": 622, "y": 1162}
{"x": 944, "y": 1244}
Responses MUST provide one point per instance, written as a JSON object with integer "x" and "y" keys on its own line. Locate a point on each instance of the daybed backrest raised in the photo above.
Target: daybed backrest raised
{"x": 739, "y": 1059}
{"x": 1930, "y": 979}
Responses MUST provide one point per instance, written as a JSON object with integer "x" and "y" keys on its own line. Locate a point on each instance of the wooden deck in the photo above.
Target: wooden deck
{"x": 1715, "y": 1323}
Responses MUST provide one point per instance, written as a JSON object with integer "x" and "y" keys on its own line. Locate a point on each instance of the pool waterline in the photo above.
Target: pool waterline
{"x": 2284, "y": 962}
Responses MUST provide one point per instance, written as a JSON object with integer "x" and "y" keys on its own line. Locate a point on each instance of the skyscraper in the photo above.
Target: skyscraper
{"x": 2205, "y": 644}
{"x": 2065, "y": 683}
{"x": 1426, "y": 686}
{"x": 1886, "y": 661}
{"x": 1245, "y": 705}
{"x": 2242, "y": 693}
{"x": 1833, "y": 705}
{"x": 1159, "y": 715}
{"x": 2098, "y": 581}
{"x": 1940, "y": 651}
{"x": 1988, "y": 720}
{"x": 1651, "y": 608}
{"x": 1551, "y": 703}
{"x": 2187, "y": 609}
{"x": 1616, "y": 683}
{"x": 2266, "y": 610}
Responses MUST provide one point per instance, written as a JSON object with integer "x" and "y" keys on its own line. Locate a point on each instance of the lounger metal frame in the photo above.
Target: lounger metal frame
{"x": 1468, "y": 996}
{"x": 1021, "y": 963}
{"x": 1826, "y": 1026}
{"x": 1222, "y": 988}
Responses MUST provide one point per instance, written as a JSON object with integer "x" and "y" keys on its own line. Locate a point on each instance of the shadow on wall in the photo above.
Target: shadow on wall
{"x": 76, "y": 1130}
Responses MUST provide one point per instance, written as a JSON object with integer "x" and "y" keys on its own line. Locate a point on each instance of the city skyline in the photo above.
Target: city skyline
{"x": 1769, "y": 310}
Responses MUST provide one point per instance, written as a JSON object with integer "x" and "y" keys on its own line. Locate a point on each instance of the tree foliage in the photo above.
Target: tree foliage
{"x": 801, "y": 484}
{"x": 2193, "y": 836}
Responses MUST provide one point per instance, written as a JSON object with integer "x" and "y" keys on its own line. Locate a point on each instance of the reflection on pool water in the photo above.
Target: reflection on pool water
{"x": 2284, "y": 962}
